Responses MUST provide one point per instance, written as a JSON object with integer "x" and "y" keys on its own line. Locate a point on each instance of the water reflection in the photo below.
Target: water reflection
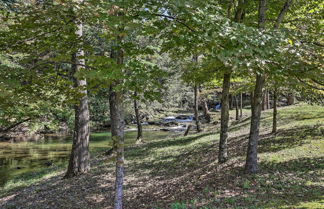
{"x": 26, "y": 157}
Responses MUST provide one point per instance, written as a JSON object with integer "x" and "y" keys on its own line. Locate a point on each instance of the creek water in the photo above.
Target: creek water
{"x": 25, "y": 158}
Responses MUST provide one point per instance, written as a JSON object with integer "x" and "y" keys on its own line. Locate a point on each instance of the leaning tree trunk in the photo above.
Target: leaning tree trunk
{"x": 275, "y": 112}
{"x": 205, "y": 110}
{"x": 196, "y": 105}
{"x": 117, "y": 135}
{"x": 80, "y": 156}
{"x": 251, "y": 165}
{"x": 222, "y": 153}
{"x": 138, "y": 121}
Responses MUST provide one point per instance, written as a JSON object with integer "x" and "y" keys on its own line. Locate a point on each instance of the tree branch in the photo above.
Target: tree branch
{"x": 14, "y": 125}
{"x": 282, "y": 13}
{"x": 309, "y": 85}
{"x": 180, "y": 21}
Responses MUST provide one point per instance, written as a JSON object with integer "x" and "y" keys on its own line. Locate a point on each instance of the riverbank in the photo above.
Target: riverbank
{"x": 183, "y": 172}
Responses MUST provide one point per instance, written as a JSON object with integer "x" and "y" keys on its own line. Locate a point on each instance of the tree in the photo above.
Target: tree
{"x": 222, "y": 153}
{"x": 251, "y": 165}
{"x": 80, "y": 156}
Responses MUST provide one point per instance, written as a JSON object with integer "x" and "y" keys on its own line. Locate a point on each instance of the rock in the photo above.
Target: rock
{"x": 153, "y": 123}
{"x": 171, "y": 123}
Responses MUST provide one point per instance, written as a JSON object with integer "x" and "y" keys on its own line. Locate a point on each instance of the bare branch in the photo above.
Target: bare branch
{"x": 282, "y": 13}
{"x": 309, "y": 85}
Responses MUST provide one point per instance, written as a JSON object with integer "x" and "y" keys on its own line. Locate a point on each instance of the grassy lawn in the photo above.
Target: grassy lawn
{"x": 183, "y": 172}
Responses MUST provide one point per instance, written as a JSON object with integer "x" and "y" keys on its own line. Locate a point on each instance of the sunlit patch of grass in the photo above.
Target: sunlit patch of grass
{"x": 311, "y": 204}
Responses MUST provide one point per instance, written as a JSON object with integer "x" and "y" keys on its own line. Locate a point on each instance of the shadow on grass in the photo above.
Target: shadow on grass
{"x": 288, "y": 139}
{"x": 291, "y": 182}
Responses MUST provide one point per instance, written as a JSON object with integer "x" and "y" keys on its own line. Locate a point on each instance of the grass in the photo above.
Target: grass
{"x": 183, "y": 172}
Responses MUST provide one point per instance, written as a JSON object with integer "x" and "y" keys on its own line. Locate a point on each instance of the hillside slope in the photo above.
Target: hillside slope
{"x": 183, "y": 172}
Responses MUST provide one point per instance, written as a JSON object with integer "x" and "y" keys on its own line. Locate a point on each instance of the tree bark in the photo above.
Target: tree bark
{"x": 251, "y": 165}
{"x": 80, "y": 156}
{"x": 222, "y": 153}
{"x": 274, "y": 118}
{"x": 138, "y": 121}
{"x": 196, "y": 105}
{"x": 117, "y": 135}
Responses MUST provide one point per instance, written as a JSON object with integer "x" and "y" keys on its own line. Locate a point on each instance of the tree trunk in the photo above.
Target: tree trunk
{"x": 236, "y": 108}
{"x": 80, "y": 156}
{"x": 138, "y": 121}
{"x": 251, "y": 165}
{"x": 241, "y": 105}
{"x": 117, "y": 135}
{"x": 240, "y": 10}
{"x": 265, "y": 100}
{"x": 231, "y": 105}
{"x": 290, "y": 99}
{"x": 262, "y": 14}
{"x": 274, "y": 119}
{"x": 251, "y": 99}
{"x": 196, "y": 98}
{"x": 222, "y": 154}
{"x": 205, "y": 110}
{"x": 268, "y": 99}
{"x": 187, "y": 130}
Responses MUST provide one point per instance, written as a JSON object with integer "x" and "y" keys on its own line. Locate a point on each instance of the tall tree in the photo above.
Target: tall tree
{"x": 222, "y": 152}
{"x": 251, "y": 165}
{"x": 279, "y": 20}
{"x": 80, "y": 156}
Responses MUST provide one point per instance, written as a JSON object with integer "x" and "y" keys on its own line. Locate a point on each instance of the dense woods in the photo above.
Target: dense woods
{"x": 83, "y": 66}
